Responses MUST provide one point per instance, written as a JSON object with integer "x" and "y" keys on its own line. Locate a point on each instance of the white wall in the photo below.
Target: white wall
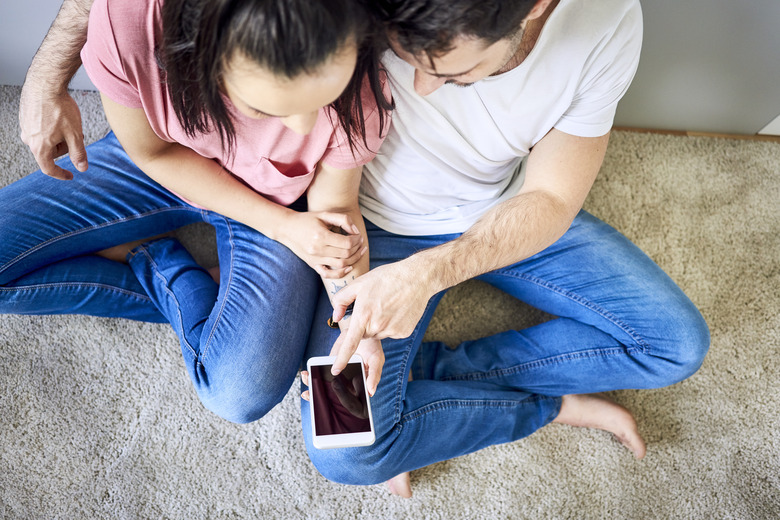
{"x": 707, "y": 65}
{"x": 23, "y": 24}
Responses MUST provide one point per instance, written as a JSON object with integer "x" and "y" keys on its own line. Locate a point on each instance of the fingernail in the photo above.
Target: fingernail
{"x": 355, "y": 229}
{"x": 335, "y": 371}
{"x": 82, "y": 166}
{"x": 348, "y": 269}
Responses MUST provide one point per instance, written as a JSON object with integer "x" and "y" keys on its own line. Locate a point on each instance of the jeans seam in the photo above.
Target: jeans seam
{"x": 142, "y": 249}
{"x": 77, "y": 232}
{"x": 404, "y": 373}
{"x": 56, "y": 285}
{"x": 206, "y": 345}
{"x": 584, "y": 354}
{"x": 643, "y": 345}
{"x": 464, "y": 403}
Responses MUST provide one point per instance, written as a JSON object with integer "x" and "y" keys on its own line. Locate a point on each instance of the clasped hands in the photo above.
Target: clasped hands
{"x": 329, "y": 242}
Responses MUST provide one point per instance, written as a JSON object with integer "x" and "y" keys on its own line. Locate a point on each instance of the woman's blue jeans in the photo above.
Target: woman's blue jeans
{"x": 242, "y": 339}
{"x": 621, "y": 323}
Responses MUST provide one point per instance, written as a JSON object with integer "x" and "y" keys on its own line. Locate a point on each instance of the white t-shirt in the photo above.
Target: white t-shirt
{"x": 452, "y": 155}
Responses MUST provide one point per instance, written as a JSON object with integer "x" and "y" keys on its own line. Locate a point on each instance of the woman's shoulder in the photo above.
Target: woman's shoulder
{"x": 132, "y": 25}
{"x": 119, "y": 54}
{"x": 376, "y": 123}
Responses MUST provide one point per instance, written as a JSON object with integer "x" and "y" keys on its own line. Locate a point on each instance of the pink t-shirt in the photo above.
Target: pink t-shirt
{"x": 272, "y": 159}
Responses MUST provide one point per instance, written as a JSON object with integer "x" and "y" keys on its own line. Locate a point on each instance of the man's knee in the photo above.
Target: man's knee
{"x": 688, "y": 337}
{"x": 352, "y": 466}
{"x": 239, "y": 404}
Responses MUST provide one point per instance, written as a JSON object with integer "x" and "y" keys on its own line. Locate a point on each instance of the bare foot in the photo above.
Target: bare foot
{"x": 594, "y": 411}
{"x": 119, "y": 253}
{"x": 400, "y": 485}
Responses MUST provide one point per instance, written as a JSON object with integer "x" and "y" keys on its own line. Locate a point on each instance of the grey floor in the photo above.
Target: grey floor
{"x": 99, "y": 419}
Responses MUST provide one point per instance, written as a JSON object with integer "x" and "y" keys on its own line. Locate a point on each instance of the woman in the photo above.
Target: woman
{"x": 232, "y": 112}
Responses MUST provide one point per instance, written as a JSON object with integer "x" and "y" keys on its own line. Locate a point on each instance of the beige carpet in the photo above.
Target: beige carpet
{"x": 98, "y": 419}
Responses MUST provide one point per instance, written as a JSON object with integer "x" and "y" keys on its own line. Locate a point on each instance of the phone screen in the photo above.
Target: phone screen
{"x": 339, "y": 404}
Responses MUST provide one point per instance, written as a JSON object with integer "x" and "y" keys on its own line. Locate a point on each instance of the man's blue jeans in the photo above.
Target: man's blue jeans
{"x": 242, "y": 339}
{"x": 621, "y": 323}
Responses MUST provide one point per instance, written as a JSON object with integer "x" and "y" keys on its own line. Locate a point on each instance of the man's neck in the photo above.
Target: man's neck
{"x": 528, "y": 38}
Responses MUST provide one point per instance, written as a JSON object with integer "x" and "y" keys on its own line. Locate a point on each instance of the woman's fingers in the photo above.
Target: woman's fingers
{"x": 342, "y": 221}
{"x": 332, "y": 274}
{"x": 305, "y": 381}
{"x": 338, "y": 246}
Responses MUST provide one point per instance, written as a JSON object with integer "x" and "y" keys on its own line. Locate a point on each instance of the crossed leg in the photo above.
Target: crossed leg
{"x": 622, "y": 323}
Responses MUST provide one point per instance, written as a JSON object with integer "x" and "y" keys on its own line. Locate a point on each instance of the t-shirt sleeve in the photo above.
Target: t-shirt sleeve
{"x": 339, "y": 154}
{"x": 102, "y": 59}
{"x": 606, "y": 76}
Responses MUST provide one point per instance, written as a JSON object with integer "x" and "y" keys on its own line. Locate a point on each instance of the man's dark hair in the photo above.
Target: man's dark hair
{"x": 429, "y": 27}
{"x": 287, "y": 37}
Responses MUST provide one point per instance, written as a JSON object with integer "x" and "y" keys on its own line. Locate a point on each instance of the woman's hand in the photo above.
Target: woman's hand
{"x": 330, "y": 243}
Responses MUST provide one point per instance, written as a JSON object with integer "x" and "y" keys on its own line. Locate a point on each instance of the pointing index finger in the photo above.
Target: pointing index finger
{"x": 347, "y": 344}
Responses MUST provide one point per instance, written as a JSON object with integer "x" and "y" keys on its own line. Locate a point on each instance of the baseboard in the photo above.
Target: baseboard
{"x": 688, "y": 133}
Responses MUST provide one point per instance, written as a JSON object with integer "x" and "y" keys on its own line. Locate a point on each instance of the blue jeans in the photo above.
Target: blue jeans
{"x": 621, "y": 323}
{"x": 242, "y": 339}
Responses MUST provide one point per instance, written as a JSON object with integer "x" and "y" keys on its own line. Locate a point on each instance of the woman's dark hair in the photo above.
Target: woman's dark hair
{"x": 428, "y": 27}
{"x": 287, "y": 37}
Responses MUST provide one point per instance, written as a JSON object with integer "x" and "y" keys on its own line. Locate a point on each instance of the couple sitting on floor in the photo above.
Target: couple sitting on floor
{"x": 356, "y": 160}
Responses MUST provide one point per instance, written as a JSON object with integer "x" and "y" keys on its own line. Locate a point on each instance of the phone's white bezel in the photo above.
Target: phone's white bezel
{"x": 341, "y": 440}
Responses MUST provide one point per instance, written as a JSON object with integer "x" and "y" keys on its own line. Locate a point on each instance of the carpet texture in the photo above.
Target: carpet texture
{"x": 98, "y": 418}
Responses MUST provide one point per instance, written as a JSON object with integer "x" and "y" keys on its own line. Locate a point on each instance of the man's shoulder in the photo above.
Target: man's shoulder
{"x": 595, "y": 17}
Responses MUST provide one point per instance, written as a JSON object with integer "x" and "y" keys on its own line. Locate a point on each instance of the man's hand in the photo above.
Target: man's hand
{"x": 389, "y": 302}
{"x": 328, "y": 242}
{"x": 51, "y": 127}
{"x": 49, "y": 117}
{"x": 373, "y": 359}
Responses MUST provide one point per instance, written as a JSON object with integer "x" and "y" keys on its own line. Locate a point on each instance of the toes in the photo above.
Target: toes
{"x": 635, "y": 444}
{"x": 400, "y": 485}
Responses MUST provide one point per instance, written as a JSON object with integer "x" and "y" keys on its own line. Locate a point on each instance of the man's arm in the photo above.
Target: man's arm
{"x": 390, "y": 300}
{"x": 49, "y": 117}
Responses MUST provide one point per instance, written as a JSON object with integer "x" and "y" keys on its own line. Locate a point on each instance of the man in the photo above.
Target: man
{"x": 503, "y": 116}
{"x": 503, "y": 113}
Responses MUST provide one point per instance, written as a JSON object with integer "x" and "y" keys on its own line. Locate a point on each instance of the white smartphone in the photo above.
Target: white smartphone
{"x": 340, "y": 406}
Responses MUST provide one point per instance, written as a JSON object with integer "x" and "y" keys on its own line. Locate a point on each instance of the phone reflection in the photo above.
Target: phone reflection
{"x": 339, "y": 402}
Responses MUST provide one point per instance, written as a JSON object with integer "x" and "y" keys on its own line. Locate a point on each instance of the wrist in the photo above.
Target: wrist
{"x": 426, "y": 270}
{"x": 44, "y": 84}
{"x": 272, "y": 220}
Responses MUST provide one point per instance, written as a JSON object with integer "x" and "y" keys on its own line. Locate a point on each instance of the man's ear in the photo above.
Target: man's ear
{"x": 538, "y": 9}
